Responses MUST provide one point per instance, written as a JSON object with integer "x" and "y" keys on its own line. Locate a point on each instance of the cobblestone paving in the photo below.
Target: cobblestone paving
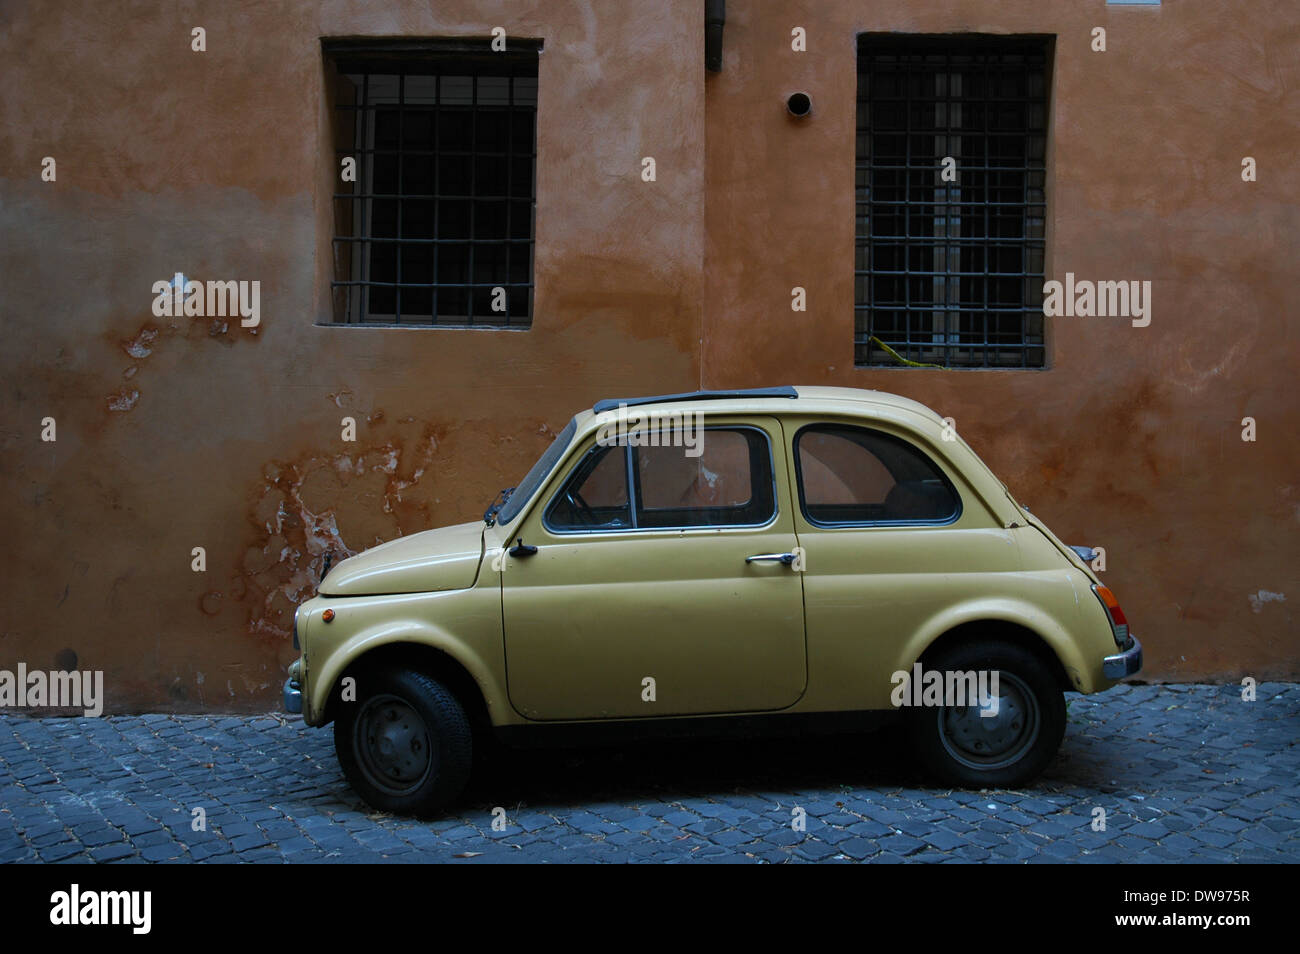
{"x": 1182, "y": 773}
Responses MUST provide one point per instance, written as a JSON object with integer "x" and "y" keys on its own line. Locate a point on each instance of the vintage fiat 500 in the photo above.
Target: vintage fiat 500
{"x": 716, "y": 556}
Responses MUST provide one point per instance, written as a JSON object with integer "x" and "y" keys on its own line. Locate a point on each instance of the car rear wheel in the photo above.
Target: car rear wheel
{"x": 993, "y": 745}
{"x": 405, "y": 744}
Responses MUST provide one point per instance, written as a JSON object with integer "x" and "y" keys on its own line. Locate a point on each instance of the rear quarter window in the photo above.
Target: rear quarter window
{"x": 854, "y": 476}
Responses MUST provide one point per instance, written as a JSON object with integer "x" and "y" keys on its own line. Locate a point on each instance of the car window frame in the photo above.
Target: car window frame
{"x": 580, "y": 463}
{"x": 796, "y": 458}
{"x": 582, "y": 455}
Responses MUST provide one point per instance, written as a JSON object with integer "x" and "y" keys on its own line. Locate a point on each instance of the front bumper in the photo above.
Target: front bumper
{"x": 293, "y": 688}
{"x": 1125, "y": 663}
{"x": 292, "y": 696}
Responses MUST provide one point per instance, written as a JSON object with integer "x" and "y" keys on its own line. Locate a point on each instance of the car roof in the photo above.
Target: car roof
{"x": 882, "y": 406}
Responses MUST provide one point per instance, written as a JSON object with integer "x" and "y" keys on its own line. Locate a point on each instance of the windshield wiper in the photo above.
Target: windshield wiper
{"x": 494, "y": 508}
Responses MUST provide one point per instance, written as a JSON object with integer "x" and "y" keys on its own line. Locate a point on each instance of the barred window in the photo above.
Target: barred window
{"x": 948, "y": 268}
{"x": 438, "y": 227}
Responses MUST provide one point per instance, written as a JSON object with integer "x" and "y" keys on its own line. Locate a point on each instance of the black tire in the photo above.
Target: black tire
{"x": 965, "y": 750}
{"x": 405, "y": 745}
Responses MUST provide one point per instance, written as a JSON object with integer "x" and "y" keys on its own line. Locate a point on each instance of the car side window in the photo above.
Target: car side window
{"x": 725, "y": 480}
{"x": 855, "y": 476}
{"x": 595, "y": 495}
{"x": 729, "y": 483}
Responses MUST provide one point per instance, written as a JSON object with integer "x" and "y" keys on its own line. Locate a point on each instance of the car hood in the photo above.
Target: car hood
{"x": 443, "y": 559}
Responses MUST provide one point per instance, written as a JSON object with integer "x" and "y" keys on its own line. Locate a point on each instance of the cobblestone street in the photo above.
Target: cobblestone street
{"x": 1182, "y": 773}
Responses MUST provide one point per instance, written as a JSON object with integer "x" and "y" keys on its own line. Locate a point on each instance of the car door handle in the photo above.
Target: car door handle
{"x": 786, "y": 558}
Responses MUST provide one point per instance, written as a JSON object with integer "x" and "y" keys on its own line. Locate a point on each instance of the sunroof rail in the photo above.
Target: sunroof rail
{"x": 613, "y": 404}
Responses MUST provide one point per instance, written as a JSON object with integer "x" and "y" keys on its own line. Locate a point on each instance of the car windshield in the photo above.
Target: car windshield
{"x": 528, "y": 486}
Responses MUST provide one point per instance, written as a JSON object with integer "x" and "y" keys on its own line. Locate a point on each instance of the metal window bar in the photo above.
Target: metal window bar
{"x": 950, "y": 273}
{"x": 394, "y": 271}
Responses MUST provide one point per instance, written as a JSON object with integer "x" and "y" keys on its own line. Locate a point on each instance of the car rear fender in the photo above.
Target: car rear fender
{"x": 982, "y": 619}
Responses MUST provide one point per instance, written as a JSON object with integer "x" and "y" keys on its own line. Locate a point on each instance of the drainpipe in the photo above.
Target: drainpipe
{"x": 715, "y": 15}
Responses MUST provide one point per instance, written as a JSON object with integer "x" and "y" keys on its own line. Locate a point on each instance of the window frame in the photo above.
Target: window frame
{"x": 632, "y": 502}
{"x": 867, "y": 524}
{"x": 351, "y": 280}
{"x": 891, "y": 330}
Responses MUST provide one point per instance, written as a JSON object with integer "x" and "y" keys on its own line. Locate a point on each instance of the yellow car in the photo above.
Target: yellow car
{"x": 716, "y": 558}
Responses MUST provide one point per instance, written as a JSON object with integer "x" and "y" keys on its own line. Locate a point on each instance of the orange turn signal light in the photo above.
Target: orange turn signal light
{"x": 1108, "y": 598}
{"x": 327, "y": 615}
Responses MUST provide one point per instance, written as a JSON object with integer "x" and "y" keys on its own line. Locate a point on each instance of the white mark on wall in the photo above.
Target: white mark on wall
{"x": 1257, "y": 600}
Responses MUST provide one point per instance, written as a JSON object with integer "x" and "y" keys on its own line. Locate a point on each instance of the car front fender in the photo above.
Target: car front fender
{"x": 463, "y": 625}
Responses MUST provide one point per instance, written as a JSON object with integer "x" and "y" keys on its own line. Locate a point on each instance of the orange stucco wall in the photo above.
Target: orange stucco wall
{"x": 177, "y": 433}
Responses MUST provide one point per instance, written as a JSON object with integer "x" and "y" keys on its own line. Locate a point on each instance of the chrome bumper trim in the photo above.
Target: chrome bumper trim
{"x": 1126, "y": 663}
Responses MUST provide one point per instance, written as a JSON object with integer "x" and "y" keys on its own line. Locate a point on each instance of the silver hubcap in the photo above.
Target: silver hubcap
{"x": 393, "y": 745}
{"x": 992, "y": 741}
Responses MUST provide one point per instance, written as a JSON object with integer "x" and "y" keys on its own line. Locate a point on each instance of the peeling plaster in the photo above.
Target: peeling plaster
{"x": 123, "y": 400}
{"x": 294, "y": 533}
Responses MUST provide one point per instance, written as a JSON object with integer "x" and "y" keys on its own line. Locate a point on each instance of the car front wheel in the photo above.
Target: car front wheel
{"x": 405, "y": 743}
{"x": 1007, "y": 740}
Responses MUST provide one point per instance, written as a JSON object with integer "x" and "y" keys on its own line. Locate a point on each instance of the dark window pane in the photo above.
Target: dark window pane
{"x": 725, "y": 481}
{"x": 454, "y": 219}
{"x": 852, "y": 476}
{"x": 417, "y": 174}
{"x": 455, "y": 130}
{"x": 490, "y": 220}
{"x": 491, "y": 130}
{"x": 456, "y": 176}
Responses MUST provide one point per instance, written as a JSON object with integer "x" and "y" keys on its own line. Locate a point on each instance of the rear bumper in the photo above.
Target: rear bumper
{"x": 1125, "y": 663}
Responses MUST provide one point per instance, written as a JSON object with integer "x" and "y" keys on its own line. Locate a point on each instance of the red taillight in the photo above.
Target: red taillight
{"x": 1112, "y": 605}
{"x": 1118, "y": 621}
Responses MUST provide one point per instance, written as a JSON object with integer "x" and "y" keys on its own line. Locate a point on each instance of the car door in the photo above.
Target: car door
{"x": 642, "y": 599}
{"x": 893, "y": 537}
